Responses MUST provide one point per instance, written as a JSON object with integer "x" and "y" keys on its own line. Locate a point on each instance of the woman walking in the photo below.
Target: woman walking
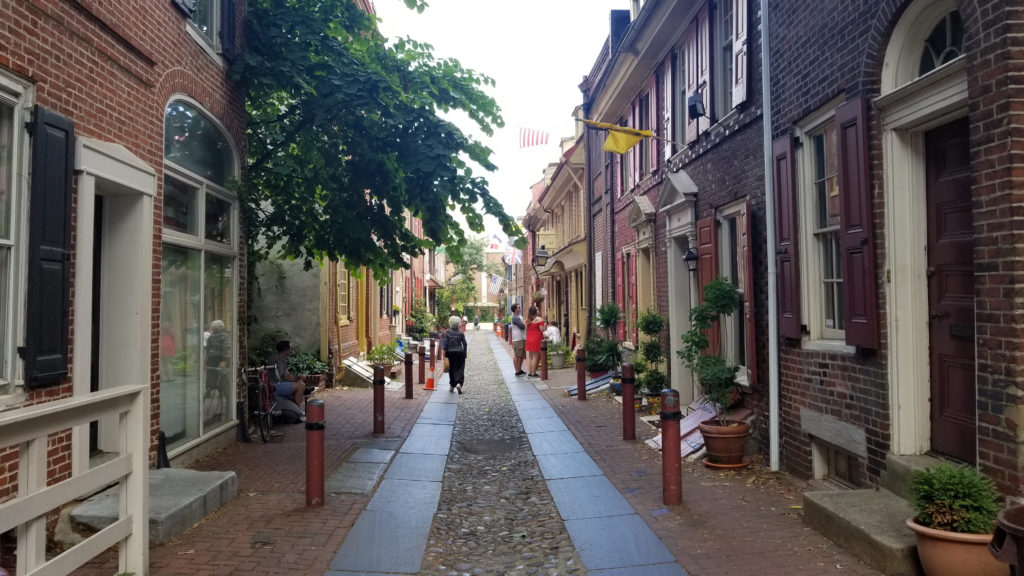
{"x": 534, "y": 335}
{"x": 454, "y": 343}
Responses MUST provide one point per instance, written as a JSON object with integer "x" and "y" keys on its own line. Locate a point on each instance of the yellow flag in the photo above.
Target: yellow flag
{"x": 620, "y": 138}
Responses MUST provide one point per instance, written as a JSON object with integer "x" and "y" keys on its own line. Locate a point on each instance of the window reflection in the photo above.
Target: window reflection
{"x": 193, "y": 142}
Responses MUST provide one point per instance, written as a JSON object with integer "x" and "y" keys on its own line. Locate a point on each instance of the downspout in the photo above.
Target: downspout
{"x": 589, "y": 215}
{"x": 769, "y": 209}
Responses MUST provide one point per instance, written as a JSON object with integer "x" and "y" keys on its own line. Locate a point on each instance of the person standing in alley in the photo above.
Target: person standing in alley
{"x": 518, "y": 337}
{"x": 454, "y": 343}
{"x": 534, "y": 335}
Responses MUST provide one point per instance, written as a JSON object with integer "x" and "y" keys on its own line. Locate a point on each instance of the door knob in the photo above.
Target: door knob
{"x": 934, "y": 315}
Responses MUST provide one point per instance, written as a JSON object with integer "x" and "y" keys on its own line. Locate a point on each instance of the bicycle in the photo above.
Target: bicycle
{"x": 266, "y": 405}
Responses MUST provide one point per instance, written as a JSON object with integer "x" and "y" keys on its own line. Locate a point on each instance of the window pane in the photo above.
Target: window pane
{"x": 218, "y": 219}
{"x": 6, "y": 168}
{"x": 218, "y": 290}
{"x": 203, "y": 18}
{"x": 943, "y": 45}
{"x": 180, "y": 345}
{"x": 5, "y": 276}
{"x": 195, "y": 143}
{"x": 181, "y": 208}
{"x": 826, "y": 178}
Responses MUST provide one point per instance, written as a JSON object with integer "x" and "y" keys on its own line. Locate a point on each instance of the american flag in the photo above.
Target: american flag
{"x": 529, "y": 137}
{"x": 494, "y": 285}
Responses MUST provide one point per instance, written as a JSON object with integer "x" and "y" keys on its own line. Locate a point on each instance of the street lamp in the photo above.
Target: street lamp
{"x": 690, "y": 260}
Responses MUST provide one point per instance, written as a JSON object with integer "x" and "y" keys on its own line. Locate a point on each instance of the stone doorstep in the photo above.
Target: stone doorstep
{"x": 868, "y": 524}
{"x": 178, "y": 498}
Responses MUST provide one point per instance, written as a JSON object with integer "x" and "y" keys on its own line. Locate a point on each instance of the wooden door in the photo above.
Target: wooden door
{"x": 950, "y": 275}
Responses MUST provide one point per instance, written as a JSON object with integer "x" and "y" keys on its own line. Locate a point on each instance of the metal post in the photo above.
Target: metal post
{"x": 628, "y": 410}
{"x": 315, "y": 452}
{"x": 378, "y": 399}
{"x": 543, "y": 359}
{"x": 408, "y": 375}
{"x": 671, "y": 469}
{"x": 581, "y": 374}
{"x": 422, "y": 350}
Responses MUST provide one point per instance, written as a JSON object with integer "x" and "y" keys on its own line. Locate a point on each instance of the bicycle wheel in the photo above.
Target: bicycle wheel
{"x": 264, "y": 414}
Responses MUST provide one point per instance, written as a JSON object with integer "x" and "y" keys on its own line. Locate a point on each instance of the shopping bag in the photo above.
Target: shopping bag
{"x": 445, "y": 364}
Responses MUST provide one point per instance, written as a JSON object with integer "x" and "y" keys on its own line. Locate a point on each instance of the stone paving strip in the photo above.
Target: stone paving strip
{"x": 492, "y": 482}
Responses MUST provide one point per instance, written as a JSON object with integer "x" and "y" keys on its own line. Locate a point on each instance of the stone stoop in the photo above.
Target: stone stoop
{"x": 178, "y": 499}
{"x": 870, "y": 524}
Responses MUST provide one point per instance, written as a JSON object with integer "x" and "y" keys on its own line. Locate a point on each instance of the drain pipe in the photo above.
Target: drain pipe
{"x": 769, "y": 203}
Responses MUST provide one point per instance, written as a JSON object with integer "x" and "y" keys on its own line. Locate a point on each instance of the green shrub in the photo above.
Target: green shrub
{"x": 382, "y": 354}
{"x": 602, "y": 354}
{"x": 307, "y": 363}
{"x": 954, "y": 498}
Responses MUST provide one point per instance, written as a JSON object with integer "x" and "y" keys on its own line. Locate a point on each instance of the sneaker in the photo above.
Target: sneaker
{"x": 520, "y": 373}
{"x": 310, "y": 390}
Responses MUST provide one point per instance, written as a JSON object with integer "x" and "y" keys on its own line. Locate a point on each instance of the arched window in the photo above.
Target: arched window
{"x": 199, "y": 276}
{"x": 944, "y": 44}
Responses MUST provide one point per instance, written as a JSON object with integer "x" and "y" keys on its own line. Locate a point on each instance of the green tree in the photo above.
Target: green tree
{"x": 344, "y": 133}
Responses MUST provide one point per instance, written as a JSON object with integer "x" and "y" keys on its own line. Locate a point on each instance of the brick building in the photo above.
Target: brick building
{"x": 899, "y": 214}
{"x": 687, "y": 71}
{"x": 120, "y": 257}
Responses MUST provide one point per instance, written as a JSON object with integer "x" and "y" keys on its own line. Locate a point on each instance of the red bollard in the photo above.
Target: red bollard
{"x": 543, "y": 359}
{"x": 628, "y": 410}
{"x": 671, "y": 469}
{"x": 315, "y": 452}
{"x": 408, "y": 375}
{"x": 378, "y": 399}
{"x": 581, "y": 374}
{"x": 422, "y": 351}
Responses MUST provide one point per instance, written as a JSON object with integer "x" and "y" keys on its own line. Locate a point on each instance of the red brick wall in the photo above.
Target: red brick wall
{"x": 854, "y": 388}
{"x": 111, "y": 67}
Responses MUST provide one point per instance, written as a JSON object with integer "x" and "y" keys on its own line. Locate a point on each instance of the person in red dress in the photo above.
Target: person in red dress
{"x": 534, "y": 335}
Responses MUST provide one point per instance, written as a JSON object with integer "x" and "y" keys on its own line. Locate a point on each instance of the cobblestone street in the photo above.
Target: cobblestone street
{"x": 496, "y": 515}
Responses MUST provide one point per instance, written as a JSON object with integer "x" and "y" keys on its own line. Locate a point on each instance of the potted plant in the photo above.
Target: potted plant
{"x": 955, "y": 509}
{"x": 310, "y": 366}
{"x": 716, "y": 376}
{"x": 556, "y": 355}
{"x": 652, "y": 380}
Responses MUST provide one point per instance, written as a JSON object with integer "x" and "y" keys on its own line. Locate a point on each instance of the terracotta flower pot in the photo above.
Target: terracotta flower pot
{"x": 724, "y": 444}
{"x": 945, "y": 553}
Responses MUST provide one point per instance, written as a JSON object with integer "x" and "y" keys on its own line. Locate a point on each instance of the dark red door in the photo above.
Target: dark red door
{"x": 951, "y": 291}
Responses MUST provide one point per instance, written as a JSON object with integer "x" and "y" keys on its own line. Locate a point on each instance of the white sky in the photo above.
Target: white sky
{"x": 537, "y": 51}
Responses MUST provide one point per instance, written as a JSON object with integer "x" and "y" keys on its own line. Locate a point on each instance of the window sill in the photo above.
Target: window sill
{"x": 836, "y": 346}
{"x": 13, "y": 400}
{"x": 205, "y": 45}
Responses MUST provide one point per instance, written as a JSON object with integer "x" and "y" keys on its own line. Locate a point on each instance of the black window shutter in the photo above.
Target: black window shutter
{"x": 786, "y": 261}
{"x": 48, "y": 293}
{"x": 229, "y": 29}
{"x": 856, "y": 226}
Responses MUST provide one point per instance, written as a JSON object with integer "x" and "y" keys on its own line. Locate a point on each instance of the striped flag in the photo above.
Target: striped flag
{"x": 494, "y": 285}
{"x": 529, "y": 137}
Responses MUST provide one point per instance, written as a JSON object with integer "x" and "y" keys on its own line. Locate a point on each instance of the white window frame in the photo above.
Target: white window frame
{"x": 811, "y": 269}
{"x": 21, "y": 97}
{"x": 721, "y": 72}
{"x": 729, "y": 251}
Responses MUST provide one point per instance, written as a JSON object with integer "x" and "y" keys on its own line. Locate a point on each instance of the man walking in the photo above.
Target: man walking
{"x": 518, "y": 340}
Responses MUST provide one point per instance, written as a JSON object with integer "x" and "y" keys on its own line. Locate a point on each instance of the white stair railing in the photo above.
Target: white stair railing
{"x": 27, "y": 429}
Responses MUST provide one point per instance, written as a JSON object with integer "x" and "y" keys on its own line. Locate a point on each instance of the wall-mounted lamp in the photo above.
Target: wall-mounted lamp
{"x": 695, "y": 106}
{"x": 540, "y": 257}
{"x": 690, "y": 260}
